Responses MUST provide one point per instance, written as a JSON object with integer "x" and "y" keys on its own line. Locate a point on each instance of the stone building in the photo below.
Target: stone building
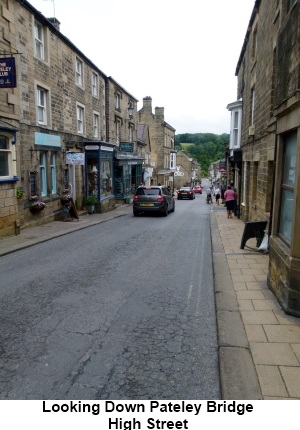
{"x": 162, "y": 139}
{"x": 121, "y": 117}
{"x": 187, "y": 171}
{"x": 60, "y": 125}
{"x": 268, "y": 72}
{"x": 144, "y": 151}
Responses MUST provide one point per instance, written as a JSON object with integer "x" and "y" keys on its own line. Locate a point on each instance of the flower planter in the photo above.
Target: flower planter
{"x": 36, "y": 209}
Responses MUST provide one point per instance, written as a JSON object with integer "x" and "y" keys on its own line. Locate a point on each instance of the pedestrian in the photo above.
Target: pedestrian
{"x": 235, "y": 200}
{"x": 217, "y": 194}
{"x": 222, "y": 194}
{"x": 230, "y": 196}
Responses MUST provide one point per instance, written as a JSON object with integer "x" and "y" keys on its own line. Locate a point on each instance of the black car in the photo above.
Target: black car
{"x": 155, "y": 198}
{"x": 185, "y": 193}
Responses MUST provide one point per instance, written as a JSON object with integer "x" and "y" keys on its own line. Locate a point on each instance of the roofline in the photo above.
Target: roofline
{"x": 254, "y": 12}
{"x": 68, "y": 42}
{"x": 110, "y": 78}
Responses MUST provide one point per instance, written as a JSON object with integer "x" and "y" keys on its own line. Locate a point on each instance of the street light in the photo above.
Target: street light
{"x": 130, "y": 110}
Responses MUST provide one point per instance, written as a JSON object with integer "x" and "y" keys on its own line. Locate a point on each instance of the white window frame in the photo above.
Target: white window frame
{"x": 9, "y": 156}
{"x": 42, "y": 103}
{"x": 173, "y": 160}
{"x": 53, "y": 172}
{"x": 96, "y": 124}
{"x": 95, "y": 85}
{"x": 43, "y": 173}
{"x": 39, "y": 38}
{"x": 79, "y": 72}
{"x": 80, "y": 116}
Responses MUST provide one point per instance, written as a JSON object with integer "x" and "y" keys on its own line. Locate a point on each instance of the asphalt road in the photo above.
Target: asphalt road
{"x": 121, "y": 310}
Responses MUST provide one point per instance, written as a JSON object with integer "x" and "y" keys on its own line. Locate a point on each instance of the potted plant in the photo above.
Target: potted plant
{"x": 37, "y": 206}
{"x": 90, "y": 202}
{"x": 20, "y": 192}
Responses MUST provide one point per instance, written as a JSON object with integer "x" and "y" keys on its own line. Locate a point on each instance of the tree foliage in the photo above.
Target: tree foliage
{"x": 204, "y": 147}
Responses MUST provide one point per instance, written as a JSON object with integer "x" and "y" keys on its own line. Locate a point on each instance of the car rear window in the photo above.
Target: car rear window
{"x": 148, "y": 192}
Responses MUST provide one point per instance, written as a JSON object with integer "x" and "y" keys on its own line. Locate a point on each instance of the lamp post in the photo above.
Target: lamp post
{"x": 130, "y": 110}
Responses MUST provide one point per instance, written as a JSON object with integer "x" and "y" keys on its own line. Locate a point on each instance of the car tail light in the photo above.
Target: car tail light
{"x": 160, "y": 198}
{"x": 135, "y": 198}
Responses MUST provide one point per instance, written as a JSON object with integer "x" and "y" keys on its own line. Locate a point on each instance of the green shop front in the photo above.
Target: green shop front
{"x": 128, "y": 172}
{"x": 99, "y": 174}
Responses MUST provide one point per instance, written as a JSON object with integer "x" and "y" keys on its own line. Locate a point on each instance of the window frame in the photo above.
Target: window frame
{"x": 284, "y": 231}
{"x": 43, "y": 173}
{"x": 39, "y": 53}
{"x": 53, "y": 171}
{"x": 96, "y": 125}
{"x": 79, "y": 72}
{"x": 95, "y": 85}
{"x": 41, "y": 105}
{"x": 80, "y": 120}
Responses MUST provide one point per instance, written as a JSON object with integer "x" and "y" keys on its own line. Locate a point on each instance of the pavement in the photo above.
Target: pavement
{"x": 259, "y": 345}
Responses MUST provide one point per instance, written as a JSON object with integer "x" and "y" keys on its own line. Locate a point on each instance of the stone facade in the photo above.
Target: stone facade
{"x": 188, "y": 171}
{"x": 162, "y": 138}
{"x": 268, "y": 73}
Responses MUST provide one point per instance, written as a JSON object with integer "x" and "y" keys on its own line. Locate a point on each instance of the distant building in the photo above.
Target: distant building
{"x": 162, "y": 139}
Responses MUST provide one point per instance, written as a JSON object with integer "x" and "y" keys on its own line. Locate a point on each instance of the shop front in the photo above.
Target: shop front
{"x": 128, "y": 174}
{"x": 99, "y": 174}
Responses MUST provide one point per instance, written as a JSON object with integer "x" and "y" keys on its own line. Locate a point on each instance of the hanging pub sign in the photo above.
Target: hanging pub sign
{"x": 8, "y": 73}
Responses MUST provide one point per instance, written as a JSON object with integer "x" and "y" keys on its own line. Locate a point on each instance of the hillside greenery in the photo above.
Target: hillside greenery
{"x": 204, "y": 147}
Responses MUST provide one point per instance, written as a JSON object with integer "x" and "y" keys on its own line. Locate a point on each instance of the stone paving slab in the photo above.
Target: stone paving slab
{"x": 273, "y": 337}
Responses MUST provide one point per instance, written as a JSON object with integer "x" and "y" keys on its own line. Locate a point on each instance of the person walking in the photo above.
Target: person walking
{"x": 235, "y": 200}
{"x": 217, "y": 194}
{"x": 230, "y": 196}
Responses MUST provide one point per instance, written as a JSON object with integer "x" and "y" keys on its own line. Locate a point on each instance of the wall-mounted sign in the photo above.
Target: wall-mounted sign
{"x": 8, "y": 73}
{"x": 91, "y": 147}
{"x": 75, "y": 158}
{"x": 47, "y": 139}
{"x": 32, "y": 185}
{"x": 126, "y": 146}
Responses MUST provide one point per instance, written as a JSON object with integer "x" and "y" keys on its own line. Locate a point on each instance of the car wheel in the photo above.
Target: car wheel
{"x": 135, "y": 213}
{"x": 173, "y": 210}
{"x": 166, "y": 213}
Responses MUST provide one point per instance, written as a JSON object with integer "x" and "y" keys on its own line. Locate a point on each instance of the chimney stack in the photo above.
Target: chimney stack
{"x": 54, "y": 21}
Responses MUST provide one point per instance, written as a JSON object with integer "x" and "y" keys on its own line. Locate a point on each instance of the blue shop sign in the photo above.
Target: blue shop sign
{"x": 47, "y": 139}
{"x": 8, "y": 73}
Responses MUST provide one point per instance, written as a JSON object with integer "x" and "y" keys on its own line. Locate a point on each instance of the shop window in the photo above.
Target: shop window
{"x": 287, "y": 187}
{"x": 105, "y": 177}
{"x": 5, "y": 157}
{"x": 43, "y": 173}
{"x": 53, "y": 172}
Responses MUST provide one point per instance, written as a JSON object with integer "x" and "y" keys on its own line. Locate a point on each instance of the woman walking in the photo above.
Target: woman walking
{"x": 230, "y": 196}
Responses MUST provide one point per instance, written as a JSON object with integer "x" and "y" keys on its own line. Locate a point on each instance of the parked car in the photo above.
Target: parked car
{"x": 197, "y": 189}
{"x": 185, "y": 193}
{"x": 156, "y": 198}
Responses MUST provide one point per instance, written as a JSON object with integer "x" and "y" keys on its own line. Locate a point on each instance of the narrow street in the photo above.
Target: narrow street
{"x": 120, "y": 310}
